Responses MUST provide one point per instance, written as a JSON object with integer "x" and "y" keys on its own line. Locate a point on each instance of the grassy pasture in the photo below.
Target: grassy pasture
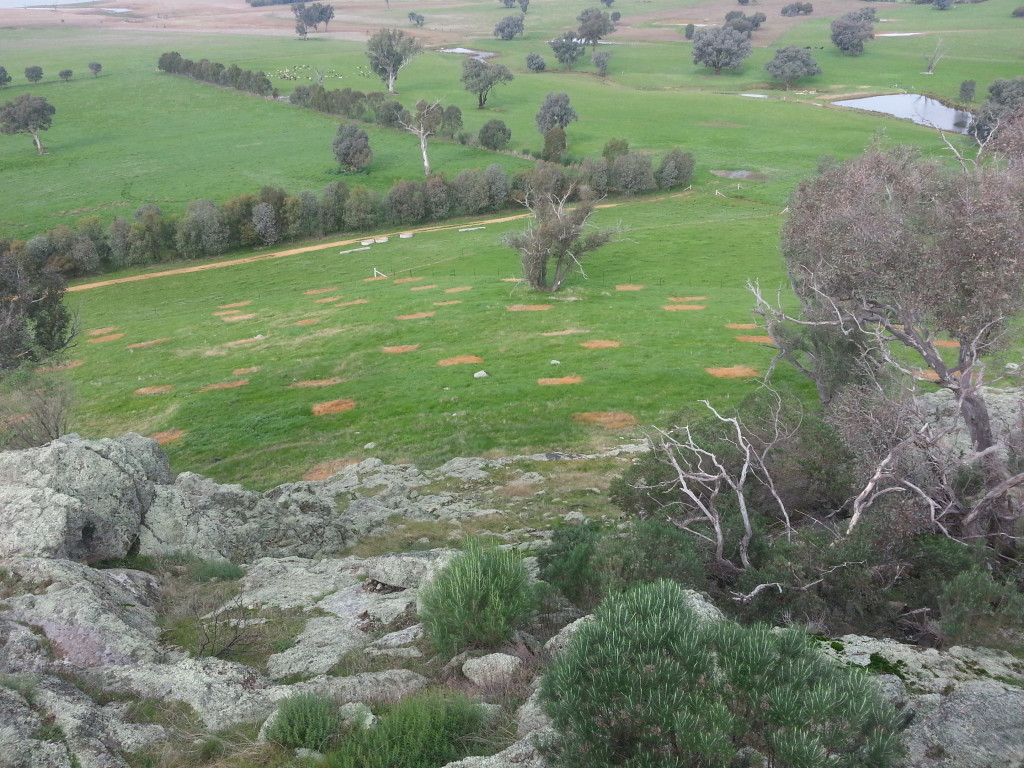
{"x": 135, "y": 136}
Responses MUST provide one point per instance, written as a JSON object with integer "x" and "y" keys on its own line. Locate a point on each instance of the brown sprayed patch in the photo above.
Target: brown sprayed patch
{"x": 629, "y": 287}
{"x": 560, "y": 381}
{"x": 64, "y": 366}
{"x": 676, "y": 307}
{"x": 315, "y": 291}
{"x": 460, "y": 289}
{"x": 397, "y": 350}
{"x": 236, "y": 318}
{"x": 756, "y": 339}
{"x": 140, "y": 344}
{"x": 741, "y": 326}
{"x": 733, "y": 372}
{"x": 101, "y": 331}
{"x": 446, "y": 303}
{"x": 460, "y": 360}
{"x": 243, "y": 342}
{"x": 415, "y": 316}
{"x": 600, "y": 344}
{"x": 108, "y": 337}
{"x": 236, "y": 304}
{"x": 512, "y": 280}
{"x": 328, "y": 300}
{"x": 567, "y": 332}
{"x": 333, "y": 406}
{"x": 227, "y": 313}
{"x": 401, "y": 280}
{"x": 354, "y": 302}
{"x": 325, "y": 469}
{"x": 947, "y": 344}
{"x": 529, "y": 307}
{"x": 316, "y": 383}
{"x": 308, "y": 321}
{"x": 422, "y": 287}
{"x": 688, "y": 298}
{"x": 245, "y": 371}
{"x": 225, "y": 385}
{"x": 610, "y": 419}
{"x": 157, "y": 390}
{"x": 926, "y": 374}
{"x": 374, "y": 279}
{"x": 169, "y": 436}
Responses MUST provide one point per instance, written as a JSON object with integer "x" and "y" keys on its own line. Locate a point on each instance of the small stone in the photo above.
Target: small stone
{"x": 369, "y": 446}
{"x": 479, "y": 375}
{"x": 556, "y": 362}
{"x": 574, "y": 518}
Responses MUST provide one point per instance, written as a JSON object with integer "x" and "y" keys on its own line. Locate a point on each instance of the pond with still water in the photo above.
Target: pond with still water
{"x": 913, "y": 106}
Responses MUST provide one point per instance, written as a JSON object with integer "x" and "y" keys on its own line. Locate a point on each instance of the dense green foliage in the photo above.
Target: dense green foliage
{"x": 306, "y": 720}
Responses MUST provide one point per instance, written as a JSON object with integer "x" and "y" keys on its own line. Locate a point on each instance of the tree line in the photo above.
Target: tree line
{"x": 214, "y": 72}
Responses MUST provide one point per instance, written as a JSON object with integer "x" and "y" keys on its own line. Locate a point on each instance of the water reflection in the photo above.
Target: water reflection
{"x": 913, "y": 106}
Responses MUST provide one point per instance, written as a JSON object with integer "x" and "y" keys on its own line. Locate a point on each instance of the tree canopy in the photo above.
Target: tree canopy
{"x": 555, "y": 111}
{"x": 5, "y": 78}
{"x": 27, "y": 114}
{"x": 389, "y": 52}
{"x": 352, "y": 147}
{"x": 33, "y": 74}
{"x": 791, "y": 63}
{"x": 509, "y": 27}
{"x": 849, "y": 32}
{"x": 567, "y": 49}
{"x": 479, "y": 77}
{"x": 595, "y": 25}
{"x": 720, "y": 48}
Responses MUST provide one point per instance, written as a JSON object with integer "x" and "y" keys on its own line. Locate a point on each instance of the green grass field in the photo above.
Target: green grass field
{"x": 135, "y": 136}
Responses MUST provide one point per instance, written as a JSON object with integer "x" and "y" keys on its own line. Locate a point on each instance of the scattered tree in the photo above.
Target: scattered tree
{"x": 95, "y": 67}
{"x": 27, "y": 114}
{"x": 523, "y": 5}
{"x": 791, "y": 63}
{"x": 675, "y": 170}
{"x": 555, "y": 111}
{"x": 1018, "y": 12}
{"x": 65, "y": 74}
{"x": 508, "y": 3}
{"x": 534, "y": 62}
{"x": 509, "y": 27}
{"x": 4, "y": 77}
{"x": 616, "y": 16}
{"x": 451, "y": 121}
{"x": 614, "y": 148}
{"x": 554, "y": 145}
{"x": 479, "y": 77}
{"x": 567, "y": 49}
{"x": 689, "y": 30}
{"x": 313, "y": 15}
{"x": 720, "y": 48}
{"x": 417, "y": 19}
{"x": 423, "y": 123}
{"x": 849, "y": 33}
{"x": 352, "y": 147}
{"x": 389, "y": 52}
{"x": 595, "y": 25}
{"x": 967, "y": 88}
{"x": 797, "y": 9}
{"x": 33, "y": 74}
{"x": 557, "y": 241}
{"x": 494, "y": 135}
{"x": 600, "y": 60}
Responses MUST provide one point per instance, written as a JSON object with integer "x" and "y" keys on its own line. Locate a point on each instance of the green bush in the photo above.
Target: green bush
{"x": 477, "y": 600}
{"x": 424, "y": 731}
{"x": 648, "y": 684}
{"x": 567, "y": 563}
{"x": 306, "y": 720}
{"x": 220, "y": 570}
{"x": 975, "y": 608}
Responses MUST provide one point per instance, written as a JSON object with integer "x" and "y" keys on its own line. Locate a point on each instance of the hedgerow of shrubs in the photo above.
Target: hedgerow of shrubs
{"x": 647, "y": 683}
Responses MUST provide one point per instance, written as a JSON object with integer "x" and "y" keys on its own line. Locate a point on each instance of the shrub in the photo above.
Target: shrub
{"x": 1018, "y": 12}
{"x": 648, "y": 684}
{"x": 477, "y": 600}
{"x": 494, "y": 135}
{"x": 976, "y": 608}
{"x": 967, "y": 87}
{"x": 305, "y": 721}
{"x": 535, "y": 62}
{"x": 567, "y": 563}
{"x": 221, "y": 570}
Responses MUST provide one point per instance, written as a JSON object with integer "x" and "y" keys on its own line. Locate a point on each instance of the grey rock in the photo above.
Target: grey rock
{"x": 407, "y": 570}
{"x": 357, "y": 714}
{"x": 358, "y": 605}
{"x": 389, "y": 685}
{"x": 574, "y": 518}
{"x": 492, "y": 670}
{"x": 530, "y": 717}
{"x": 320, "y": 645}
{"x": 21, "y": 650}
{"x": 395, "y": 653}
{"x": 466, "y": 469}
{"x": 18, "y": 723}
{"x": 399, "y": 638}
{"x": 522, "y": 754}
{"x": 560, "y": 641}
{"x": 295, "y": 582}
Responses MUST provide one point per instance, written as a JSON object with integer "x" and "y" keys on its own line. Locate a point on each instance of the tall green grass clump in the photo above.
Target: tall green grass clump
{"x": 424, "y": 731}
{"x": 648, "y": 684}
{"x": 976, "y": 609}
{"x": 478, "y": 600}
{"x": 307, "y": 721}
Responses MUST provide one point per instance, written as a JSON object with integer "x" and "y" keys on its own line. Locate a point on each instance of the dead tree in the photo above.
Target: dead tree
{"x": 423, "y": 123}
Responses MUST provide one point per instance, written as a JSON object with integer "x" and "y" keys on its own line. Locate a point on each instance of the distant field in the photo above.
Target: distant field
{"x": 135, "y": 136}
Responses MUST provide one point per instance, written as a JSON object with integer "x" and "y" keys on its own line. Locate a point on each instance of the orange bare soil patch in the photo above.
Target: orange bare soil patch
{"x": 600, "y": 344}
{"x": 407, "y": 280}
{"x": 446, "y": 303}
{"x": 460, "y": 289}
{"x": 733, "y": 372}
{"x": 154, "y": 390}
{"x": 333, "y": 406}
{"x": 415, "y": 316}
{"x": 308, "y": 321}
{"x": 225, "y": 385}
{"x": 567, "y": 332}
{"x": 950, "y": 344}
{"x": 325, "y": 469}
{"x": 108, "y": 337}
{"x": 675, "y": 307}
{"x": 328, "y": 300}
{"x": 242, "y": 342}
{"x": 610, "y": 419}
{"x": 101, "y": 331}
{"x": 315, "y": 291}
{"x": 317, "y": 383}
{"x": 400, "y": 349}
{"x": 926, "y": 374}
{"x": 227, "y": 312}
{"x": 64, "y": 366}
{"x": 354, "y": 302}
{"x": 629, "y": 287}
{"x": 756, "y": 339}
{"x": 236, "y": 304}
{"x": 529, "y": 307}
{"x": 558, "y": 382}
{"x": 688, "y": 298}
{"x": 168, "y": 436}
{"x": 245, "y": 371}
{"x": 741, "y": 326}
{"x": 374, "y": 279}
{"x": 460, "y": 360}
{"x": 138, "y": 344}
{"x": 422, "y": 287}
{"x": 236, "y": 318}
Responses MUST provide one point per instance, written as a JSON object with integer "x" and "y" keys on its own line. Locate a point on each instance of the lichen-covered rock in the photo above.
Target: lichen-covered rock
{"x": 494, "y": 669}
{"x": 530, "y": 718}
{"x": 409, "y": 569}
{"x": 522, "y": 754}
{"x": 21, "y": 650}
{"x": 21, "y": 732}
{"x": 320, "y": 645}
{"x": 295, "y": 582}
{"x": 389, "y": 685}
